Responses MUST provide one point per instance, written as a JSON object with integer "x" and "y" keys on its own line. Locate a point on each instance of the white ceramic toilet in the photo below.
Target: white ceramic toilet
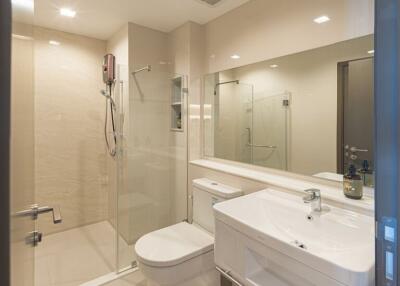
{"x": 183, "y": 254}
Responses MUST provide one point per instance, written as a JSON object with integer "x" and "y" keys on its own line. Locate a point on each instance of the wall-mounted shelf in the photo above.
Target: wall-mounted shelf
{"x": 177, "y": 104}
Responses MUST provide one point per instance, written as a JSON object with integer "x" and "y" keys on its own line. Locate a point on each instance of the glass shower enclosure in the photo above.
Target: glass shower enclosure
{"x": 151, "y": 161}
{"x": 270, "y": 125}
{"x": 244, "y": 126}
{"x": 59, "y": 158}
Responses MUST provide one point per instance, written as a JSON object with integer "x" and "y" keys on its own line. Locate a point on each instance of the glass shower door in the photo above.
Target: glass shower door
{"x": 244, "y": 96}
{"x": 151, "y": 158}
{"x": 233, "y": 119}
{"x": 270, "y": 140}
{"x": 119, "y": 200}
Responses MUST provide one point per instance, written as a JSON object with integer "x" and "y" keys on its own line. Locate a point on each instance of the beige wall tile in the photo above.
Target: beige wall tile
{"x": 70, "y": 164}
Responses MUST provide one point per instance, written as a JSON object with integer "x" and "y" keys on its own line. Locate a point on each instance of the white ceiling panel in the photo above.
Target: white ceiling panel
{"x": 101, "y": 18}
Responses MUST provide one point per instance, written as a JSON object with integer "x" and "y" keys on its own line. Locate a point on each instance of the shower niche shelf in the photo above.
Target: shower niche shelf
{"x": 177, "y": 104}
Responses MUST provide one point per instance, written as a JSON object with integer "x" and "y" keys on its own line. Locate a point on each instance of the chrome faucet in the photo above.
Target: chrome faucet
{"x": 314, "y": 197}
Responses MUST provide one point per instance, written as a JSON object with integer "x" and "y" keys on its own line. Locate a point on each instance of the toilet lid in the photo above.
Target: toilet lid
{"x": 173, "y": 245}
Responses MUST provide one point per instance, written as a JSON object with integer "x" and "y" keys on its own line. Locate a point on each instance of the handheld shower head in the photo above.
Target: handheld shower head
{"x": 104, "y": 93}
{"x": 108, "y": 96}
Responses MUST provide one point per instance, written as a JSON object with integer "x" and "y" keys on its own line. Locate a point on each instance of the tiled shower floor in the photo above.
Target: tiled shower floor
{"x": 75, "y": 256}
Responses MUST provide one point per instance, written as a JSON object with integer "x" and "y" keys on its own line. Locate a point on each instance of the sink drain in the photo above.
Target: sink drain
{"x": 299, "y": 244}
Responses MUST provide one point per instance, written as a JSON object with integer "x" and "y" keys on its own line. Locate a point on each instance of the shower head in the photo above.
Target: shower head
{"x": 108, "y": 96}
{"x": 146, "y": 68}
{"x": 226, "y": 82}
{"x": 222, "y": 83}
{"x": 104, "y": 93}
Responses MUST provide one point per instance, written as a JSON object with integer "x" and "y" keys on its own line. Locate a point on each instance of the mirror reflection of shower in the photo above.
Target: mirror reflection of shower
{"x": 146, "y": 68}
{"x": 222, "y": 83}
{"x": 109, "y": 80}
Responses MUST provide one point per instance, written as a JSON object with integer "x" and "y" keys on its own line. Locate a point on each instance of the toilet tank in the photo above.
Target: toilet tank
{"x": 206, "y": 193}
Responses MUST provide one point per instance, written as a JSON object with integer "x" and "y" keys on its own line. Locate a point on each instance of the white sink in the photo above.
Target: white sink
{"x": 335, "y": 244}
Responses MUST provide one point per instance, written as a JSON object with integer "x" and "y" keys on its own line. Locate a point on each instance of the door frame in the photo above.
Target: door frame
{"x": 342, "y": 68}
{"x": 342, "y": 86}
{"x": 387, "y": 134}
{"x": 5, "y": 121}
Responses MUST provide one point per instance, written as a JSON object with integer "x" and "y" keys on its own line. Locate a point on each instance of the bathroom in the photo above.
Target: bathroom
{"x": 202, "y": 142}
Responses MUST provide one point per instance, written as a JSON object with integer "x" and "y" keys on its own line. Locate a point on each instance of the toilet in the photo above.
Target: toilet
{"x": 183, "y": 254}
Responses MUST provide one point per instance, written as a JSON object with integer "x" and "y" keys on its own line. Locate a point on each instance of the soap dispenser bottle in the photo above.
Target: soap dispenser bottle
{"x": 367, "y": 175}
{"x": 353, "y": 184}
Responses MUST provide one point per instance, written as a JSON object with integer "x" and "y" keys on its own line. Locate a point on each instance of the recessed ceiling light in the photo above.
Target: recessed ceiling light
{"x": 235, "y": 57}
{"x": 23, "y": 3}
{"x": 67, "y": 12}
{"x": 371, "y": 52}
{"x": 54, "y": 43}
{"x": 321, "y": 19}
{"x": 273, "y": 66}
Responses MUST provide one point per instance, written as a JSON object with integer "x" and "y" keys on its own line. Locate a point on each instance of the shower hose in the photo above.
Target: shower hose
{"x": 110, "y": 103}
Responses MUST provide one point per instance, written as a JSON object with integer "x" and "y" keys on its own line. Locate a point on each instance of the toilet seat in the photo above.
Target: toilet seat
{"x": 173, "y": 245}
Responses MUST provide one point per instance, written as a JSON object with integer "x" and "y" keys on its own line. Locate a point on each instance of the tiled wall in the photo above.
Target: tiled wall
{"x": 70, "y": 157}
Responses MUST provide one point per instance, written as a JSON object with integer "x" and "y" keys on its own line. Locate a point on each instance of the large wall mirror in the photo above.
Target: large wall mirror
{"x": 309, "y": 113}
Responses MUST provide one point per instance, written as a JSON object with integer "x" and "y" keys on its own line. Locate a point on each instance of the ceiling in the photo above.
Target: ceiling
{"x": 102, "y": 18}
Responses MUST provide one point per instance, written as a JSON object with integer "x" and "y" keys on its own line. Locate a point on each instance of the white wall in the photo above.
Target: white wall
{"x": 197, "y": 71}
{"x": 179, "y": 64}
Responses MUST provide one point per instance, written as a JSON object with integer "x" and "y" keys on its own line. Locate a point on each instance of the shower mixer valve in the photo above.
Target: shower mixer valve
{"x": 35, "y": 211}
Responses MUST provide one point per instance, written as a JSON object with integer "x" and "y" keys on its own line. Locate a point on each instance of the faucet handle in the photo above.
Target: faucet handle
{"x": 312, "y": 195}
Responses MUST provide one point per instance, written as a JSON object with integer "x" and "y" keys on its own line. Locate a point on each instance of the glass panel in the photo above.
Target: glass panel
{"x": 152, "y": 159}
{"x": 210, "y": 81}
{"x": 121, "y": 203}
{"x": 228, "y": 119}
{"x": 270, "y": 130}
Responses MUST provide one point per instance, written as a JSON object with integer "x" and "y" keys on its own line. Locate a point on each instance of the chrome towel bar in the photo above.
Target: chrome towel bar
{"x": 262, "y": 146}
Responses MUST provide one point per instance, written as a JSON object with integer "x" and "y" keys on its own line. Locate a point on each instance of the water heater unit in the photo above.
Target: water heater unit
{"x": 109, "y": 69}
